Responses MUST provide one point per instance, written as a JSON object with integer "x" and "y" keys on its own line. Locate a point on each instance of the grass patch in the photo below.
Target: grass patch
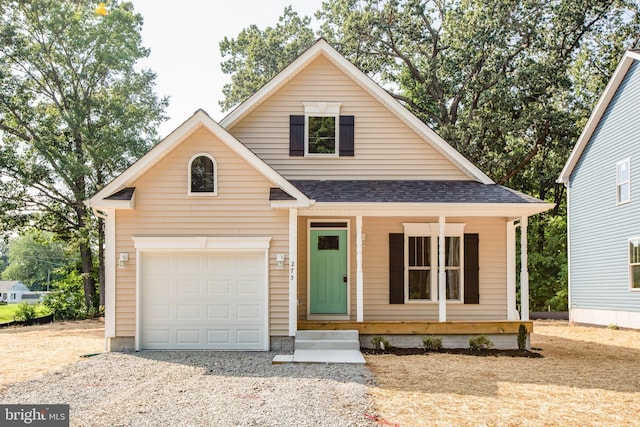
{"x": 7, "y": 312}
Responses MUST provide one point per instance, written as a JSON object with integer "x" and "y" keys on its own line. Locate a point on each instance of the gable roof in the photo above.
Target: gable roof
{"x": 322, "y": 47}
{"x": 601, "y": 107}
{"x": 8, "y": 285}
{"x": 119, "y": 192}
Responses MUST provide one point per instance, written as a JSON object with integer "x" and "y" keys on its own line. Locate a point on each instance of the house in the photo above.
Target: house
{"x": 601, "y": 176}
{"x": 319, "y": 203}
{"x": 11, "y": 291}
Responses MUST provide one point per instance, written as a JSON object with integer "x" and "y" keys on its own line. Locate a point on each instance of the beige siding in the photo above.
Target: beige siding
{"x": 492, "y": 250}
{"x": 385, "y": 147}
{"x": 241, "y": 208}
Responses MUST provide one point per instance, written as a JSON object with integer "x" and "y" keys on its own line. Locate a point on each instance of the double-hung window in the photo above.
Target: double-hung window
{"x": 321, "y": 128}
{"x": 421, "y": 261}
{"x": 623, "y": 181}
{"x": 634, "y": 263}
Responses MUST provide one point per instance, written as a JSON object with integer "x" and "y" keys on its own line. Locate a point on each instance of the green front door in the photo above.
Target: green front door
{"x": 328, "y": 268}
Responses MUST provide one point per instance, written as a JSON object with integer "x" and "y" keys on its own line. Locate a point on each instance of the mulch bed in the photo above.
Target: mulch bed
{"x": 464, "y": 351}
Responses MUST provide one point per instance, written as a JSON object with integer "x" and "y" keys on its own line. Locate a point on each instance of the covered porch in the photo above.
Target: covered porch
{"x": 377, "y": 231}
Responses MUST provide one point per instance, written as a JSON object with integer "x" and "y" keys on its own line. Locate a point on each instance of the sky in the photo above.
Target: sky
{"x": 184, "y": 39}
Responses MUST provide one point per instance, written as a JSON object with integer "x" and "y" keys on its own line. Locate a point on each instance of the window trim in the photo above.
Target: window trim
{"x": 322, "y": 109}
{"x": 619, "y": 183}
{"x": 630, "y": 264}
{"x": 432, "y": 230}
{"x": 215, "y": 176}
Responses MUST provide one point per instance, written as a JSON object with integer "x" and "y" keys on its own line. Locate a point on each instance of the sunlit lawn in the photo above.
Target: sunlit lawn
{"x": 7, "y": 311}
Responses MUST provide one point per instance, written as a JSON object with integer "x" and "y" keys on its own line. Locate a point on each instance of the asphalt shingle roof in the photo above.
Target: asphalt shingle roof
{"x": 397, "y": 191}
{"x": 124, "y": 194}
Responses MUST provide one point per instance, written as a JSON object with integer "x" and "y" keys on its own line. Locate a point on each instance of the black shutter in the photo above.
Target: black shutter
{"x": 346, "y": 136}
{"x": 396, "y": 268}
{"x": 296, "y": 136}
{"x": 471, "y": 270}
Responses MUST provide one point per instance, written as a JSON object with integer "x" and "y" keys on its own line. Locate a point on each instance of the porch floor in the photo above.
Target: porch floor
{"x": 419, "y": 327}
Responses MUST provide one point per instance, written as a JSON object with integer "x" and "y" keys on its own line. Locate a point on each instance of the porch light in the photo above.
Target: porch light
{"x": 101, "y": 9}
{"x": 122, "y": 259}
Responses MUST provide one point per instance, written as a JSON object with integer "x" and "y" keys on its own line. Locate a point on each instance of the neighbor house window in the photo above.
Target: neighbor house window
{"x": 202, "y": 175}
{"x": 634, "y": 262}
{"x": 421, "y": 261}
{"x": 623, "y": 181}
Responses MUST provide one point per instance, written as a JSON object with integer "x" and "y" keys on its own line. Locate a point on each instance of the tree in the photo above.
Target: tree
{"x": 74, "y": 111}
{"x": 258, "y": 55}
{"x": 34, "y": 257}
{"x": 510, "y": 84}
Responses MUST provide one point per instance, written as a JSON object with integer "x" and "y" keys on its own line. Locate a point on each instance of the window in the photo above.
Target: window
{"x": 634, "y": 262}
{"x": 321, "y": 135}
{"x": 623, "y": 181}
{"x": 419, "y": 266}
{"x": 202, "y": 175}
{"x": 321, "y": 132}
{"x": 421, "y": 261}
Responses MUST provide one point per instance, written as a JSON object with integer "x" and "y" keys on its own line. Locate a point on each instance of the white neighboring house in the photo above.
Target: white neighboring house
{"x": 11, "y": 291}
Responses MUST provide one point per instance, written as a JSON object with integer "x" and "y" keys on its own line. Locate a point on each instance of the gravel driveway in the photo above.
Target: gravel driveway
{"x": 202, "y": 388}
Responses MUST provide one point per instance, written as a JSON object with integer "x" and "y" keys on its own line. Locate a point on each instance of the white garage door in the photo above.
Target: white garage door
{"x": 203, "y": 301}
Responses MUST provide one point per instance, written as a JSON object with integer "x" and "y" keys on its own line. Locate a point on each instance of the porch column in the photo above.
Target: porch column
{"x": 359, "y": 274}
{"x": 442, "y": 279}
{"x": 293, "y": 271}
{"x": 512, "y": 313}
{"x": 524, "y": 271}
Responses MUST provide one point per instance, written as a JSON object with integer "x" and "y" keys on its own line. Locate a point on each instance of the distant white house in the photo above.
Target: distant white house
{"x": 11, "y": 291}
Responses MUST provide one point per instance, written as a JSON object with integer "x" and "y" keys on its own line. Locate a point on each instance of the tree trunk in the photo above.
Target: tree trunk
{"x": 87, "y": 277}
{"x": 101, "y": 267}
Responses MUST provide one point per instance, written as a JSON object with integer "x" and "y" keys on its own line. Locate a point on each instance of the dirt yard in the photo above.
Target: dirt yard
{"x": 27, "y": 352}
{"x": 587, "y": 377}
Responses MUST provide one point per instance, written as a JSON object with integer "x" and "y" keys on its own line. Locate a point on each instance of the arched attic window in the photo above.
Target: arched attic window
{"x": 203, "y": 175}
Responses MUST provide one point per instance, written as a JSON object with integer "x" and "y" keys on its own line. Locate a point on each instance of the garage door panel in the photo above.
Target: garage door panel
{"x": 206, "y": 301}
{"x": 218, "y": 336}
{"x": 248, "y": 312}
{"x": 219, "y": 287}
{"x": 188, "y": 336}
{"x": 219, "y": 312}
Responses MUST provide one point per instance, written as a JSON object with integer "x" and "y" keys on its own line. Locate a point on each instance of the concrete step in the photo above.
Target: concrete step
{"x": 326, "y": 344}
{"x": 328, "y": 356}
{"x": 327, "y": 335}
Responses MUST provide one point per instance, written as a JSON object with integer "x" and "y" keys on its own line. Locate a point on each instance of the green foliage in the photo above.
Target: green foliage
{"x": 480, "y": 343}
{"x": 380, "y": 343}
{"x": 548, "y": 267}
{"x": 522, "y": 337}
{"x": 34, "y": 258}
{"x": 67, "y": 301}
{"x": 612, "y": 326}
{"x": 432, "y": 343}
{"x": 74, "y": 112}
{"x": 255, "y": 56}
{"x": 25, "y": 312}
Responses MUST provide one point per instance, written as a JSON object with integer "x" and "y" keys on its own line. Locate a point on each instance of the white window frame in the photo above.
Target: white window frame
{"x": 620, "y": 183}
{"x": 322, "y": 109}
{"x": 631, "y": 265}
{"x": 215, "y": 176}
{"x": 432, "y": 230}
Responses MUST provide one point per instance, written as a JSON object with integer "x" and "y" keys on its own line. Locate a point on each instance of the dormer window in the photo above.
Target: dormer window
{"x": 202, "y": 175}
{"x": 321, "y": 132}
